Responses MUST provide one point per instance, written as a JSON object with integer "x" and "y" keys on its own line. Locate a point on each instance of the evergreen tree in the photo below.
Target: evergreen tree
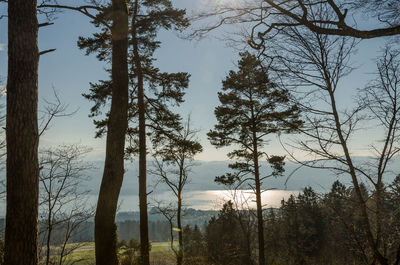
{"x": 194, "y": 246}
{"x": 151, "y": 91}
{"x": 225, "y": 239}
{"x": 252, "y": 107}
{"x": 117, "y": 40}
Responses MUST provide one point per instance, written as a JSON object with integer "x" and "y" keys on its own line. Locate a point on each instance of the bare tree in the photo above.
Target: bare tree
{"x": 52, "y": 109}
{"x": 173, "y": 164}
{"x": 63, "y": 201}
{"x": 169, "y": 212}
{"x": 313, "y": 65}
{"x": 269, "y": 17}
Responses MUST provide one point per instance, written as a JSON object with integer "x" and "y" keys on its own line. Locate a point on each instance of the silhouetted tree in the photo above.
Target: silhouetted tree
{"x": 225, "y": 240}
{"x": 105, "y": 228}
{"x": 114, "y": 18}
{"x": 252, "y": 107}
{"x": 268, "y": 17}
{"x": 194, "y": 246}
{"x": 313, "y": 65}
{"x": 151, "y": 90}
{"x": 173, "y": 163}
{"x": 62, "y": 200}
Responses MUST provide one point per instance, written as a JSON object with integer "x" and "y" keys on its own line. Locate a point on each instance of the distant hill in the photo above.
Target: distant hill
{"x": 190, "y": 217}
{"x": 203, "y": 174}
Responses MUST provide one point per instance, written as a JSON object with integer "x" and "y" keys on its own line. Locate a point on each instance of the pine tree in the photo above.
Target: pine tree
{"x": 151, "y": 91}
{"x": 225, "y": 239}
{"x": 252, "y": 107}
{"x": 115, "y": 51}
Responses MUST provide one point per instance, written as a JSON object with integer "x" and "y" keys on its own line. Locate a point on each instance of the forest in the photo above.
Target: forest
{"x": 300, "y": 90}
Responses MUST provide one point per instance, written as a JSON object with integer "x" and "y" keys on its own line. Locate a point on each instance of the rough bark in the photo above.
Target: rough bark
{"x": 144, "y": 230}
{"x": 105, "y": 227}
{"x": 21, "y": 237}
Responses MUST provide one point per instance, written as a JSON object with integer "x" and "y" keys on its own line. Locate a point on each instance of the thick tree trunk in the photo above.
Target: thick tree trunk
{"x": 105, "y": 227}
{"x": 21, "y": 237}
{"x": 144, "y": 230}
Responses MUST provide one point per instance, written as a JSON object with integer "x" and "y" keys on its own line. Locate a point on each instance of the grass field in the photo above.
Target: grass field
{"x": 160, "y": 254}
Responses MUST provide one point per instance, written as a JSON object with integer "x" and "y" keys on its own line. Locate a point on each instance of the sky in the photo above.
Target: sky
{"x": 69, "y": 72}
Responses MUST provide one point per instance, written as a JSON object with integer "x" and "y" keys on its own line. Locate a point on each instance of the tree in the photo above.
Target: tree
{"x": 302, "y": 228}
{"x": 148, "y": 108}
{"x": 297, "y": 13}
{"x": 174, "y": 160}
{"x": 224, "y": 238}
{"x": 266, "y": 18}
{"x": 129, "y": 252}
{"x": 194, "y": 246}
{"x": 344, "y": 230}
{"x": 313, "y": 65}
{"x": 115, "y": 19}
{"x": 21, "y": 238}
{"x": 62, "y": 200}
{"x": 105, "y": 227}
{"x": 251, "y": 108}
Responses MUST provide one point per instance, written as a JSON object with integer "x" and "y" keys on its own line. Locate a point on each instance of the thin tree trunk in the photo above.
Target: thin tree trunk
{"x": 363, "y": 207}
{"x": 48, "y": 245}
{"x": 105, "y": 228}
{"x": 260, "y": 222}
{"x": 21, "y": 236}
{"x": 49, "y": 225}
{"x": 179, "y": 259}
{"x": 144, "y": 230}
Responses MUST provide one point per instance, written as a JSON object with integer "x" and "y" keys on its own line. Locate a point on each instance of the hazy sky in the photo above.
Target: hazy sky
{"x": 69, "y": 71}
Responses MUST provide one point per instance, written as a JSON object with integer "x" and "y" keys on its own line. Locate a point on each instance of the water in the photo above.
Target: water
{"x": 210, "y": 199}
{"x": 197, "y": 199}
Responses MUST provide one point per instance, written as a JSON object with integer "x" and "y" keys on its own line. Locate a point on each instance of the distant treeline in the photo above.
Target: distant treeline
{"x": 310, "y": 229}
{"x": 128, "y": 227}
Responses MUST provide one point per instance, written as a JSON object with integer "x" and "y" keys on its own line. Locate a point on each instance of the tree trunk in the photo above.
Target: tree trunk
{"x": 49, "y": 226}
{"x": 105, "y": 227}
{"x": 260, "y": 222}
{"x": 179, "y": 258}
{"x": 21, "y": 236}
{"x": 144, "y": 230}
{"x": 361, "y": 201}
{"x": 49, "y": 230}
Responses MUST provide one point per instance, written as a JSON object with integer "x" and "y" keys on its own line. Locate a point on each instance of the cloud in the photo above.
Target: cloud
{"x": 2, "y": 46}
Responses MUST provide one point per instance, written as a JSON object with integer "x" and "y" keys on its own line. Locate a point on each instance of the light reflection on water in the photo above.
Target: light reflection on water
{"x": 201, "y": 199}
{"x": 212, "y": 199}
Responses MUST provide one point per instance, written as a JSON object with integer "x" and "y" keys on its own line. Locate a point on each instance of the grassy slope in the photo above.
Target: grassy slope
{"x": 161, "y": 254}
